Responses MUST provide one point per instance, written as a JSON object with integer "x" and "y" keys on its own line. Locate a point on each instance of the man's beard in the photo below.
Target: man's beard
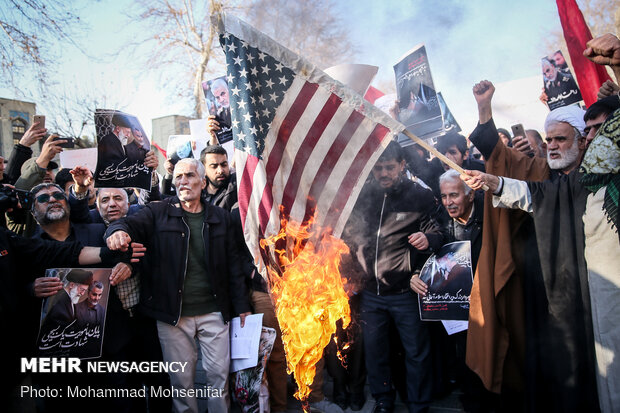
{"x": 122, "y": 137}
{"x": 73, "y": 295}
{"x": 218, "y": 184}
{"x": 49, "y": 217}
{"x": 568, "y": 157}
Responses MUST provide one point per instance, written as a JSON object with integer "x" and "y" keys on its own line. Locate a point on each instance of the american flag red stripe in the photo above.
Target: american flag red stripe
{"x": 346, "y": 187}
{"x": 332, "y": 157}
{"x": 244, "y": 189}
{"x": 302, "y": 140}
{"x": 275, "y": 156}
{"x": 312, "y": 138}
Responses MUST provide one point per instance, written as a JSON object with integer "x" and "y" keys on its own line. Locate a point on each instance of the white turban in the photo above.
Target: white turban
{"x": 572, "y": 114}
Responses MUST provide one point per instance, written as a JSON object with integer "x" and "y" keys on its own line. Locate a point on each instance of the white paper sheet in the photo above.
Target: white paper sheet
{"x": 79, "y": 157}
{"x": 244, "y": 342}
{"x": 455, "y": 326}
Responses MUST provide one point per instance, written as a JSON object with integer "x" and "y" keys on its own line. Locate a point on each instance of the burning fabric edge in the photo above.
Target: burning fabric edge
{"x": 308, "y": 294}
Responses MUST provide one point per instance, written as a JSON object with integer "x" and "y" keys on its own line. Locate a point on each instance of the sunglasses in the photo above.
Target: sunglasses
{"x": 43, "y": 198}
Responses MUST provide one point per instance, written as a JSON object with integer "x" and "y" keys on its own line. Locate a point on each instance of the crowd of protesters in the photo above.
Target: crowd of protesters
{"x": 543, "y": 334}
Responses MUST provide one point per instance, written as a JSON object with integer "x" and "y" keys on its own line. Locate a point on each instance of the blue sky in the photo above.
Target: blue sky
{"x": 466, "y": 41}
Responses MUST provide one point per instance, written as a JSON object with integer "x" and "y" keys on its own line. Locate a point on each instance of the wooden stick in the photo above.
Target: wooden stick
{"x": 438, "y": 154}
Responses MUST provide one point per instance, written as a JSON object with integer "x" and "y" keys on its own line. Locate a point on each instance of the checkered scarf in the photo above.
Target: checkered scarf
{"x": 601, "y": 167}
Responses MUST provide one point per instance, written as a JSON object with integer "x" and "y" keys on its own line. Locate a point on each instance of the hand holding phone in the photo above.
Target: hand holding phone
{"x": 520, "y": 141}
{"x": 67, "y": 141}
{"x": 40, "y": 119}
{"x": 518, "y": 130}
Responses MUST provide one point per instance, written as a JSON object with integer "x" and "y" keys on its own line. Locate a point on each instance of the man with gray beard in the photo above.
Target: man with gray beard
{"x": 561, "y": 322}
{"x": 565, "y": 138}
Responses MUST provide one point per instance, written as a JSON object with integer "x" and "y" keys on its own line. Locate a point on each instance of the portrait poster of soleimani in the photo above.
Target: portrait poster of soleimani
{"x": 560, "y": 85}
{"x": 217, "y": 98}
{"x": 418, "y": 107}
{"x": 73, "y": 319}
{"x": 122, "y": 145}
{"x": 449, "y": 278}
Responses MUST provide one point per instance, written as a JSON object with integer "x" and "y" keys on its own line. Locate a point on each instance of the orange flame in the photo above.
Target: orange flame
{"x": 309, "y": 295}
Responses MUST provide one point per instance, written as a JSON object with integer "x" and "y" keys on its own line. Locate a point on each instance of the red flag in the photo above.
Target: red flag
{"x": 373, "y": 94}
{"x": 590, "y": 76}
{"x": 303, "y": 142}
{"x": 160, "y": 149}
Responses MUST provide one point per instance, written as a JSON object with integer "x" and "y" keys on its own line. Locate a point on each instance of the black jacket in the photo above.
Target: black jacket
{"x": 19, "y": 155}
{"x": 430, "y": 171}
{"x": 226, "y": 196}
{"x": 378, "y": 234}
{"x": 161, "y": 228}
{"x": 20, "y": 258}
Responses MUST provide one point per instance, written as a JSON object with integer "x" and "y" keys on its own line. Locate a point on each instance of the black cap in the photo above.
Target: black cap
{"x": 80, "y": 276}
{"x": 119, "y": 119}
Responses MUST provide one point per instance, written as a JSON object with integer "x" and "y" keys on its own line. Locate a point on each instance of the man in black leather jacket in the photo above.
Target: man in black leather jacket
{"x": 396, "y": 230}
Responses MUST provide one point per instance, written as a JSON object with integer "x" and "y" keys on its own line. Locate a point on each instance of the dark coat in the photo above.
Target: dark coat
{"x": 161, "y": 227}
{"x": 430, "y": 171}
{"x": 61, "y": 314}
{"x": 20, "y": 258}
{"x": 508, "y": 260}
{"x": 473, "y": 230}
{"x": 226, "y": 196}
{"x": 135, "y": 152}
{"x": 89, "y": 316}
{"x": 110, "y": 152}
{"x": 383, "y": 220}
{"x": 19, "y": 155}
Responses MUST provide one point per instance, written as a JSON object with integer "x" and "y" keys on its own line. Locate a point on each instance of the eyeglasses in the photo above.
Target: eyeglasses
{"x": 43, "y": 198}
{"x": 587, "y": 129}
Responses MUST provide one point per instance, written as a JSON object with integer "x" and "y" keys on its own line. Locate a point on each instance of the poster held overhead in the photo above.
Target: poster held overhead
{"x": 122, "y": 145}
{"x": 418, "y": 107}
{"x": 180, "y": 147}
{"x": 559, "y": 83}
{"x": 217, "y": 97}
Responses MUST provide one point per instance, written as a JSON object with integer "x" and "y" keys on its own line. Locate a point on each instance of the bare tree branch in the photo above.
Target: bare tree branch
{"x": 28, "y": 30}
{"x": 180, "y": 44}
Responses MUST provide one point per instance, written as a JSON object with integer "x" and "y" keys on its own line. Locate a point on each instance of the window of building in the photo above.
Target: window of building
{"x": 19, "y": 128}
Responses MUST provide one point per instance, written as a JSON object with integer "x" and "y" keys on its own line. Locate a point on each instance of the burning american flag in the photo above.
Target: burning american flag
{"x": 304, "y": 144}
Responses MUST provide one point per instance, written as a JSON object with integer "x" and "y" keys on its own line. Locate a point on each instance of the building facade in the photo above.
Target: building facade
{"x": 15, "y": 118}
{"x": 162, "y": 129}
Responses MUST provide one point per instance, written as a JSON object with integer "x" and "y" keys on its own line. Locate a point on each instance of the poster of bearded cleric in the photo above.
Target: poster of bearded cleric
{"x": 418, "y": 107}
{"x": 449, "y": 278}
{"x": 560, "y": 86}
{"x": 73, "y": 319}
{"x": 122, "y": 145}
{"x": 218, "y": 104}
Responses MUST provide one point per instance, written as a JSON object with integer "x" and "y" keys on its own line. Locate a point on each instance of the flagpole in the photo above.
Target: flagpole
{"x": 438, "y": 154}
